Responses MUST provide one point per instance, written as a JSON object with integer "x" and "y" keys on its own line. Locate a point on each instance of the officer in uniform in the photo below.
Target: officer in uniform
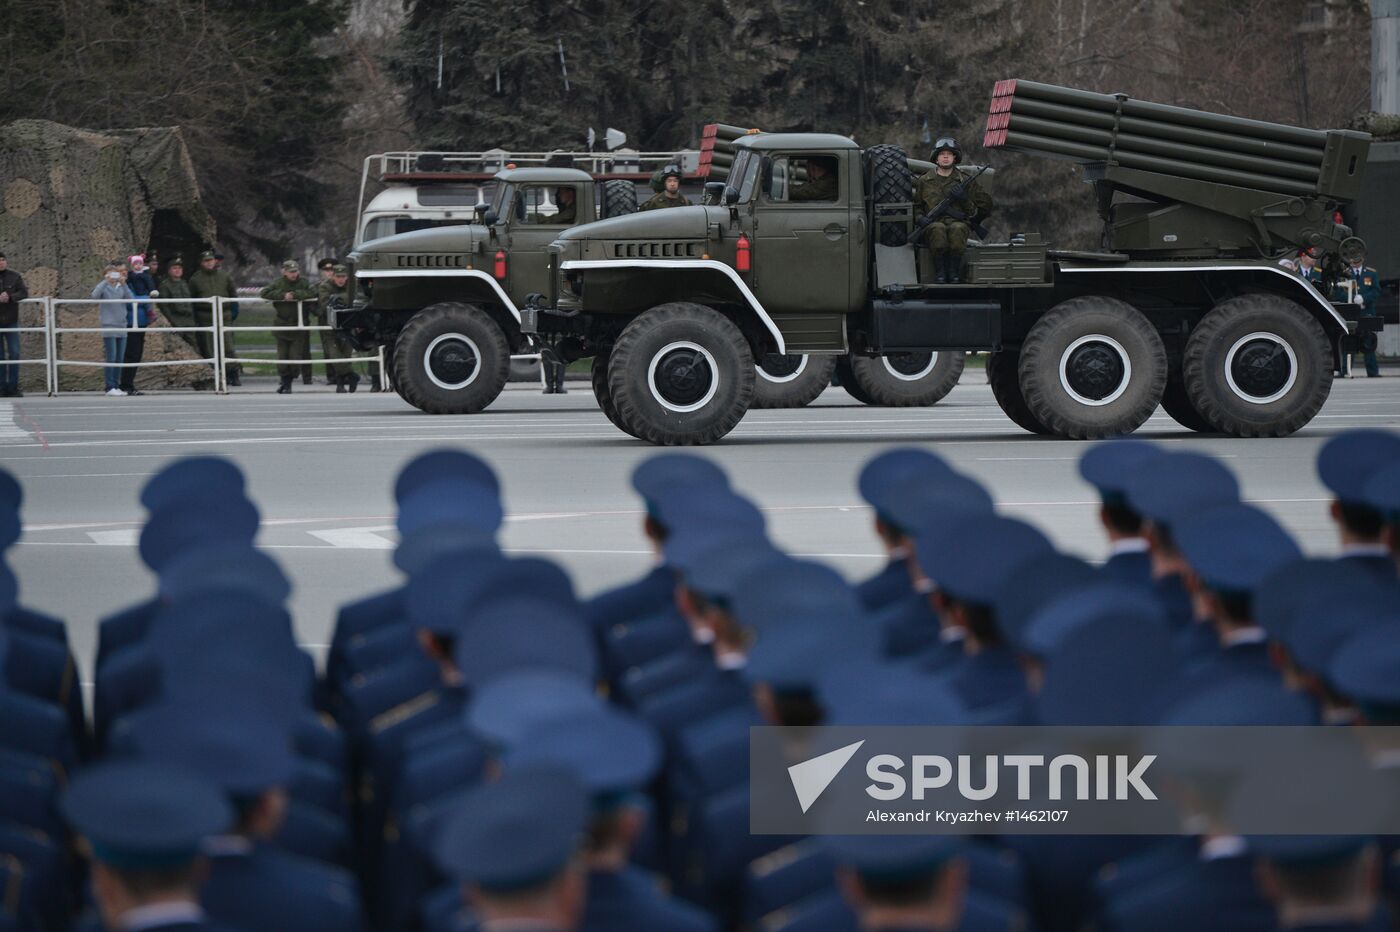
{"x": 514, "y": 846}
{"x": 1345, "y": 464}
{"x": 947, "y": 237}
{"x": 822, "y": 184}
{"x": 285, "y": 294}
{"x": 1382, "y": 493}
{"x": 174, "y": 286}
{"x": 878, "y": 477}
{"x": 211, "y": 281}
{"x": 1367, "y": 293}
{"x": 902, "y": 882}
{"x": 333, "y": 344}
{"x": 144, "y": 824}
{"x": 566, "y": 200}
{"x": 1107, "y": 467}
{"x": 670, "y": 194}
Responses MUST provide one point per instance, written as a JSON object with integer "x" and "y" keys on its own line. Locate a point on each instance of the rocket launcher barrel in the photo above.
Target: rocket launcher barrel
{"x": 1082, "y": 126}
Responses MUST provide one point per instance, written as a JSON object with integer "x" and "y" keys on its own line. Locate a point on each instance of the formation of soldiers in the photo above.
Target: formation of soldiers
{"x": 484, "y": 749}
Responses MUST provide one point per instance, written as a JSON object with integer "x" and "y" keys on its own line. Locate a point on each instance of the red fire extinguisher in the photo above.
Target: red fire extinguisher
{"x": 500, "y": 266}
{"x": 743, "y": 260}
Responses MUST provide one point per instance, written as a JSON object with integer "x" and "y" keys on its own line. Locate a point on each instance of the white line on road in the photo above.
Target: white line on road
{"x": 357, "y": 538}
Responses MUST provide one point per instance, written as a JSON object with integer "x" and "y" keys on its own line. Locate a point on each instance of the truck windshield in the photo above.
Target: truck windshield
{"x": 744, "y": 174}
{"x": 501, "y": 200}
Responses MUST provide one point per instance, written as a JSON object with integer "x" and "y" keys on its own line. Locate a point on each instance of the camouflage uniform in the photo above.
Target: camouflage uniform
{"x": 291, "y": 344}
{"x": 661, "y": 200}
{"x": 333, "y": 343}
{"x": 179, "y": 314}
{"x": 567, "y": 213}
{"x": 948, "y": 236}
{"x": 824, "y": 188}
{"x": 212, "y": 283}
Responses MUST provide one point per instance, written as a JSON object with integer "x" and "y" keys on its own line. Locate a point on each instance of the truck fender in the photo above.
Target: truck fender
{"x": 711, "y": 265}
{"x": 1305, "y": 292}
{"x": 501, "y": 295}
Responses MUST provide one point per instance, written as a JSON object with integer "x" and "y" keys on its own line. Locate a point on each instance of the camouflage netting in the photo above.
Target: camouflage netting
{"x": 71, "y": 200}
{"x": 1381, "y": 125}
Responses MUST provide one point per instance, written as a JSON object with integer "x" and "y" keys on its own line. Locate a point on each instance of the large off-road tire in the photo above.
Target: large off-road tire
{"x": 619, "y": 197}
{"x": 1257, "y": 365}
{"x": 1003, "y": 375}
{"x": 601, "y": 392}
{"x": 907, "y": 380}
{"x": 847, "y": 379}
{"x": 1178, "y": 404}
{"x": 790, "y": 381}
{"x": 1093, "y": 367}
{"x": 451, "y": 359}
{"x": 891, "y": 182}
{"x": 681, "y": 374}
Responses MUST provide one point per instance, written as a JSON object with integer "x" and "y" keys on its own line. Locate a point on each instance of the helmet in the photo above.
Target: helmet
{"x": 949, "y": 143}
{"x": 670, "y": 170}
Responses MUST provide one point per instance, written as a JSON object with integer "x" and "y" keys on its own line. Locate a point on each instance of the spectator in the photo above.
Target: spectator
{"x": 142, "y": 283}
{"x": 12, "y": 292}
{"x": 112, "y": 317}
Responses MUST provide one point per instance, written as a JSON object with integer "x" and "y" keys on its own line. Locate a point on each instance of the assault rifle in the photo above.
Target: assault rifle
{"x": 947, "y": 208}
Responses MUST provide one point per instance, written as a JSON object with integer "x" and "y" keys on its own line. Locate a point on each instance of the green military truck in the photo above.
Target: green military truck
{"x": 1189, "y": 302}
{"x": 446, "y": 299}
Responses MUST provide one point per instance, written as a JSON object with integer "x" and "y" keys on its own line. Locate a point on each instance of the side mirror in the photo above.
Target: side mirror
{"x": 489, "y": 217}
{"x": 480, "y": 209}
{"x": 714, "y": 192}
{"x": 731, "y": 196}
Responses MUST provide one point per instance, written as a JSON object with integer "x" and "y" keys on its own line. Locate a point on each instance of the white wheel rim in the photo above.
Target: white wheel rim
{"x": 910, "y": 376}
{"x": 769, "y": 377}
{"x": 428, "y": 361}
{"x": 1269, "y": 338}
{"x": 1122, "y": 385}
{"x": 661, "y": 354}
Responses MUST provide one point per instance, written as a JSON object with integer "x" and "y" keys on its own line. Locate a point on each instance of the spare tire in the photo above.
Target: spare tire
{"x": 891, "y": 182}
{"x": 790, "y": 381}
{"x": 619, "y": 197}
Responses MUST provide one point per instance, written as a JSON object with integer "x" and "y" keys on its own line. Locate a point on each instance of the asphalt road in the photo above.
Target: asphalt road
{"x": 321, "y": 467}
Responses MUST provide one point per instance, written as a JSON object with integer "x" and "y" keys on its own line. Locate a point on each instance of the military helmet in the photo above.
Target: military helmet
{"x": 670, "y": 170}
{"x": 949, "y": 143}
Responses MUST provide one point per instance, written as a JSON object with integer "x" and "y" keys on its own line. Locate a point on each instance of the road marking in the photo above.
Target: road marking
{"x": 11, "y": 432}
{"x": 126, "y": 537}
{"x": 357, "y": 538}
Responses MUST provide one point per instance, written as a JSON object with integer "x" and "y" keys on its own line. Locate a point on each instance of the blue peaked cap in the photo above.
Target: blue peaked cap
{"x": 1234, "y": 548}
{"x": 174, "y": 531}
{"x": 508, "y": 707}
{"x": 445, "y": 465}
{"x": 886, "y": 470}
{"x": 448, "y": 502}
{"x": 1347, "y": 461}
{"x": 972, "y": 559}
{"x": 1109, "y": 466}
{"x": 193, "y": 482}
{"x": 229, "y": 565}
{"x": 666, "y": 473}
{"x": 1173, "y": 485}
{"x": 1382, "y": 492}
{"x": 612, "y": 752}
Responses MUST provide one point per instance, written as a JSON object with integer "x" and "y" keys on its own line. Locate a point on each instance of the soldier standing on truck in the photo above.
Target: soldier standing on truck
{"x": 1367, "y": 292}
{"x": 670, "y": 195}
{"x": 333, "y": 344}
{"x": 821, "y": 181}
{"x": 285, "y": 294}
{"x": 947, "y": 237}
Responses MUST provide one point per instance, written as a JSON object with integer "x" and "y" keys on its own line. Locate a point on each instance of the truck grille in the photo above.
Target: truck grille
{"x": 429, "y": 262}
{"x": 676, "y": 250}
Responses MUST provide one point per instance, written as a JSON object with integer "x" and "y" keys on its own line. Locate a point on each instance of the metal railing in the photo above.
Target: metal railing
{"x": 46, "y": 329}
{"x": 55, "y": 306}
{"x": 301, "y": 326}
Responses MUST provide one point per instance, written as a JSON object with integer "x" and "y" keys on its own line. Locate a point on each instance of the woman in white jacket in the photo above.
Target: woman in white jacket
{"x": 112, "y": 288}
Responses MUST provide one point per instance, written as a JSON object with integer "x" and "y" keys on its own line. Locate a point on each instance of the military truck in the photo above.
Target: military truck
{"x": 1185, "y": 304}
{"x": 445, "y": 299}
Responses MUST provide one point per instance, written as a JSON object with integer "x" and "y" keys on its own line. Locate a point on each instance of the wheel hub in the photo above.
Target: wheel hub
{"x": 1261, "y": 368}
{"x": 909, "y": 367}
{"x": 683, "y": 377}
{"x": 1094, "y": 370}
{"x": 781, "y": 368}
{"x": 452, "y": 361}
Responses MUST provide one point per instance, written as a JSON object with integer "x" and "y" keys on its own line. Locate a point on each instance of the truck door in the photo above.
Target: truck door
{"x": 802, "y": 234}
{"x": 534, "y": 224}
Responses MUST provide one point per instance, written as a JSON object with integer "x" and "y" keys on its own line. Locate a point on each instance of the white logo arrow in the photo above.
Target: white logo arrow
{"x": 811, "y": 777}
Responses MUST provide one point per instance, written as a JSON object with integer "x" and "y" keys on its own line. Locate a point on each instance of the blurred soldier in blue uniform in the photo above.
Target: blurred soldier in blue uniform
{"x": 1108, "y": 467}
{"x": 514, "y": 846}
{"x": 144, "y": 825}
{"x": 1345, "y": 464}
{"x": 1382, "y": 492}
{"x": 880, "y": 476}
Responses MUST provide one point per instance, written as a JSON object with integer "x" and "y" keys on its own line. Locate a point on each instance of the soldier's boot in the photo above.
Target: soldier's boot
{"x": 234, "y": 375}
{"x": 351, "y": 381}
{"x": 340, "y": 388}
{"x": 374, "y": 384}
{"x": 940, "y": 269}
{"x": 286, "y": 387}
{"x": 955, "y": 268}
{"x": 306, "y": 372}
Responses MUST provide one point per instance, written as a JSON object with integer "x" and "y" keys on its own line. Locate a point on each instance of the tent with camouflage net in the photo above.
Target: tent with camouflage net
{"x": 72, "y": 200}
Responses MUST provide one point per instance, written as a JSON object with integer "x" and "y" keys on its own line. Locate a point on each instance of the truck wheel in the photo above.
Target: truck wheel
{"x": 891, "y": 182}
{"x": 907, "y": 380}
{"x": 1178, "y": 404}
{"x": 681, "y": 374}
{"x": 847, "y": 379}
{"x": 600, "y": 392}
{"x": 619, "y": 197}
{"x": 1093, "y": 367}
{"x": 1257, "y": 365}
{"x": 451, "y": 359}
{"x": 790, "y": 381}
{"x": 1003, "y": 375}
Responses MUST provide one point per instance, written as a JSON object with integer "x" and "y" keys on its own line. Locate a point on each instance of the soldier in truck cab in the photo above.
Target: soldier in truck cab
{"x": 947, "y": 237}
{"x": 568, "y": 206}
{"x": 670, "y": 195}
{"x": 821, "y": 181}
